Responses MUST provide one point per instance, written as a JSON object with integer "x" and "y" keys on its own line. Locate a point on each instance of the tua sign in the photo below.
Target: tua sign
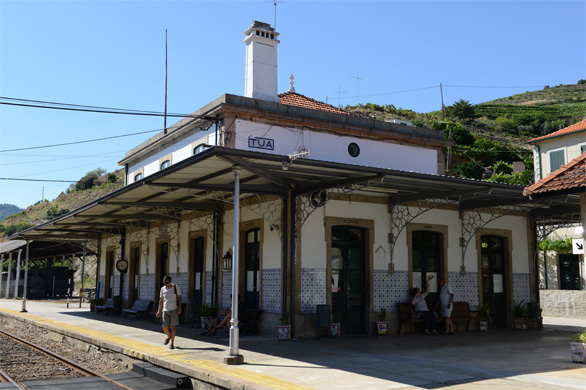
{"x": 261, "y": 143}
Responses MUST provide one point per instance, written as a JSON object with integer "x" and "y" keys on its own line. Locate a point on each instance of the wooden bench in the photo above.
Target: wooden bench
{"x": 461, "y": 312}
{"x": 107, "y": 306}
{"x": 250, "y": 323}
{"x": 139, "y": 306}
{"x": 405, "y": 314}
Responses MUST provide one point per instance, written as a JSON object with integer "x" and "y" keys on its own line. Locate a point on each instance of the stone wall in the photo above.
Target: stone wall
{"x": 563, "y": 303}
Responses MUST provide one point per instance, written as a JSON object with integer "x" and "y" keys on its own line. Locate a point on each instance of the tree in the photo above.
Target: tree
{"x": 462, "y": 109}
{"x": 470, "y": 169}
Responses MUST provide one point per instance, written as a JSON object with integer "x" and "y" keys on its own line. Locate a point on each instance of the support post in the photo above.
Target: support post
{"x": 1, "y": 271}
{"x": 81, "y": 290}
{"x": 25, "y": 279}
{"x": 17, "y": 274}
{"x": 235, "y": 357}
{"x": 8, "y": 276}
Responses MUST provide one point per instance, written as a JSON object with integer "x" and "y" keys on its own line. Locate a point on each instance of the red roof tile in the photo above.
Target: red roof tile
{"x": 575, "y": 128}
{"x": 568, "y": 177}
{"x": 295, "y": 99}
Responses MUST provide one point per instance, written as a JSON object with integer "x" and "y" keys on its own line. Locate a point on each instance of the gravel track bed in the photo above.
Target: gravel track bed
{"x": 23, "y": 363}
{"x": 26, "y": 364}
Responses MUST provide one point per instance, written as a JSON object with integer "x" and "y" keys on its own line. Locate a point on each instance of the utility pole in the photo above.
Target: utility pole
{"x": 358, "y": 79}
{"x": 165, "y": 121}
{"x": 443, "y": 111}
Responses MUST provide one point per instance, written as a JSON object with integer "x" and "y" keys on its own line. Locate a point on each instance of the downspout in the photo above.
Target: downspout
{"x": 539, "y": 161}
{"x": 125, "y": 174}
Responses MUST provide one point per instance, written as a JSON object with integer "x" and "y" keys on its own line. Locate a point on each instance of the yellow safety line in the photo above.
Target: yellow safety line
{"x": 208, "y": 365}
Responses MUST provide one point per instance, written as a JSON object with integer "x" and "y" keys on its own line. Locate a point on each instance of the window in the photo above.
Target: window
{"x": 582, "y": 148}
{"x": 199, "y": 148}
{"x": 426, "y": 249}
{"x": 138, "y": 177}
{"x": 557, "y": 158}
{"x": 353, "y": 149}
{"x": 165, "y": 164}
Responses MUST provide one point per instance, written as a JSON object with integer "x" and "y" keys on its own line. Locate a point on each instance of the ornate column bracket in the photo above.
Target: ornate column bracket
{"x": 402, "y": 215}
{"x": 474, "y": 220}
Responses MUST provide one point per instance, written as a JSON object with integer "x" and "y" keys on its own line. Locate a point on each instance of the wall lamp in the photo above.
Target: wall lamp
{"x": 227, "y": 263}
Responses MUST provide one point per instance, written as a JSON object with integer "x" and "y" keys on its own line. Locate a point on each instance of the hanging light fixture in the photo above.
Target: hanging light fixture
{"x": 227, "y": 265}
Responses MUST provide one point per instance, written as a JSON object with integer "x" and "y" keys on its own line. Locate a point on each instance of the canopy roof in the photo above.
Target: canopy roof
{"x": 39, "y": 249}
{"x": 206, "y": 180}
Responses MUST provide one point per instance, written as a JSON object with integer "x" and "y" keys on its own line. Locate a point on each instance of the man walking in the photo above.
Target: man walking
{"x": 169, "y": 309}
{"x": 445, "y": 299}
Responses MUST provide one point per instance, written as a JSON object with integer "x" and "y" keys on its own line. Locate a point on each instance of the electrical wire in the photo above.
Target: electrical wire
{"x": 80, "y": 142}
{"x": 44, "y": 180}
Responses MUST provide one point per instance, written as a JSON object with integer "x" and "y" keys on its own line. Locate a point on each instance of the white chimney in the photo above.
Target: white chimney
{"x": 260, "y": 80}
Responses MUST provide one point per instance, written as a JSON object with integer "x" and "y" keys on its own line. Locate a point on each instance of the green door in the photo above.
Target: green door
{"x": 348, "y": 279}
{"x": 425, "y": 257}
{"x": 494, "y": 278}
{"x": 197, "y": 267}
{"x": 569, "y": 272}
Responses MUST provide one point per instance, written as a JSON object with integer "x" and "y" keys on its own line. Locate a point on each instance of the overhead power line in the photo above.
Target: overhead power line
{"x": 79, "y": 142}
{"x": 96, "y": 109}
{"x": 53, "y": 181}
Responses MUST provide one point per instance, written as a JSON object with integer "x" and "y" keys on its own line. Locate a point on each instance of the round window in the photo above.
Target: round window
{"x": 353, "y": 149}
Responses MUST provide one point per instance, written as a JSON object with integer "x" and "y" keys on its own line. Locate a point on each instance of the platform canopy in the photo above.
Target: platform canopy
{"x": 201, "y": 183}
{"x": 42, "y": 249}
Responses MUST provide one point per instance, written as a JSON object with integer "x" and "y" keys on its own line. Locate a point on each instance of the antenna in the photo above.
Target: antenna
{"x": 275, "y": 24}
{"x": 165, "y": 121}
{"x": 358, "y": 79}
{"x": 339, "y": 92}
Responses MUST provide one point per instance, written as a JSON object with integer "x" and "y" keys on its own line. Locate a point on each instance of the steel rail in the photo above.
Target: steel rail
{"x": 5, "y": 378}
{"x": 64, "y": 360}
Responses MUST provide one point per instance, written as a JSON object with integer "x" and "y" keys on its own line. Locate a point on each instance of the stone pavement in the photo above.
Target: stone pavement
{"x": 497, "y": 359}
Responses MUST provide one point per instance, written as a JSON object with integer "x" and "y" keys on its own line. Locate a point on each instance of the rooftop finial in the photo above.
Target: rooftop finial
{"x": 291, "y": 87}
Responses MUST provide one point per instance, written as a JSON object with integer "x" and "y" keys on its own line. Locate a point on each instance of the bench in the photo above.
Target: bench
{"x": 107, "y": 306}
{"x": 139, "y": 306}
{"x": 405, "y": 314}
{"x": 461, "y": 312}
{"x": 250, "y": 323}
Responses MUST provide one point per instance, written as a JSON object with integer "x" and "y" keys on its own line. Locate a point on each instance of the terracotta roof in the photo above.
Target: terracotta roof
{"x": 568, "y": 177}
{"x": 575, "y": 128}
{"x": 295, "y": 99}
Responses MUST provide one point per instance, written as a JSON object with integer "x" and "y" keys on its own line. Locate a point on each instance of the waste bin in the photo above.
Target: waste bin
{"x": 117, "y": 304}
{"x": 533, "y": 311}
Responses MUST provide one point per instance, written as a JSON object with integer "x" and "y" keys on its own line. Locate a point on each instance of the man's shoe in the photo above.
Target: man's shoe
{"x": 172, "y": 346}
{"x": 167, "y": 341}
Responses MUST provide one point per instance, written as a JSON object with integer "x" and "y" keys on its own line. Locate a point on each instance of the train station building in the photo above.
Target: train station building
{"x": 311, "y": 206}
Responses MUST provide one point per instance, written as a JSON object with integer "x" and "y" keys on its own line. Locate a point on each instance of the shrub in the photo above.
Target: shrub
{"x": 470, "y": 169}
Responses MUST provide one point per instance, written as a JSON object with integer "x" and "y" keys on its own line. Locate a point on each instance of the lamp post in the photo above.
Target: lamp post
{"x": 235, "y": 357}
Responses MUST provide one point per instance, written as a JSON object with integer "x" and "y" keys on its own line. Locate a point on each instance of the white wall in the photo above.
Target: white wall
{"x": 571, "y": 145}
{"x": 328, "y": 147}
{"x": 180, "y": 150}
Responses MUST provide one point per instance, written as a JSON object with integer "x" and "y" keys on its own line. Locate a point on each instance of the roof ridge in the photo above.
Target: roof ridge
{"x": 576, "y": 127}
{"x": 564, "y": 169}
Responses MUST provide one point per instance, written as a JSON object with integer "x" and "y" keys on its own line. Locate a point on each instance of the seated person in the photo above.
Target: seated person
{"x": 421, "y": 310}
{"x": 224, "y": 320}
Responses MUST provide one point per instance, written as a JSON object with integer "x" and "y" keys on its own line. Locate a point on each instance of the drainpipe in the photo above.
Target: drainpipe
{"x": 539, "y": 160}
{"x": 125, "y": 174}
{"x": 81, "y": 290}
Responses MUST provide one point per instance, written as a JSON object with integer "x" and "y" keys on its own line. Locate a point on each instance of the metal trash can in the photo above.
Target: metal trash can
{"x": 533, "y": 311}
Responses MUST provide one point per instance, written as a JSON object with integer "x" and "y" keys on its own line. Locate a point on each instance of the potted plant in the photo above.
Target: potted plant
{"x": 284, "y": 330}
{"x": 578, "y": 347}
{"x": 382, "y": 325}
{"x": 485, "y": 316}
{"x": 96, "y": 302}
{"x": 520, "y": 316}
{"x": 206, "y": 314}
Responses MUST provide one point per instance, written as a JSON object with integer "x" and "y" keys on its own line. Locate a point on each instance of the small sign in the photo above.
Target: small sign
{"x": 578, "y": 246}
{"x": 261, "y": 143}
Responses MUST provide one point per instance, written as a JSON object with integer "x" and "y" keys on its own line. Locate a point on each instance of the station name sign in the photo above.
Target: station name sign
{"x": 261, "y": 143}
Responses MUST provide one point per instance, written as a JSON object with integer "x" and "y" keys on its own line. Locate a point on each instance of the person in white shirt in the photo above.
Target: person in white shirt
{"x": 169, "y": 309}
{"x": 422, "y": 311}
{"x": 445, "y": 299}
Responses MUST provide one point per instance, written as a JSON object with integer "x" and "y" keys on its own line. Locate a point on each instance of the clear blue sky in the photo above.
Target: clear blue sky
{"x": 112, "y": 54}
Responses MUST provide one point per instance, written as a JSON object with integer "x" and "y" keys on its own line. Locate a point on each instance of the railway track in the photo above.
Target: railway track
{"x": 22, "y": 361}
